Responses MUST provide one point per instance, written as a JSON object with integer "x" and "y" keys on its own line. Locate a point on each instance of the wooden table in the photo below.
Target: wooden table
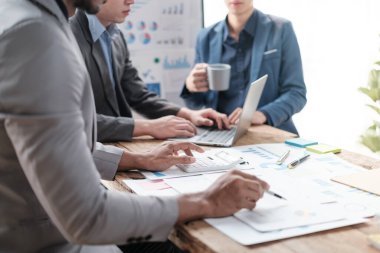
{"x": 198, "y": 236}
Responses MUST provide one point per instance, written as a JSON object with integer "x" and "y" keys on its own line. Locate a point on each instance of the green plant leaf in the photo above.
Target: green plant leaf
{"x": 373, "y": 93}
{"x": 371, "y": 128}
{"x": 374, "y": 79}
{"x": 375, "y": 108}
{"x": 371, "y": 139}
{"x": 366, "y": 91}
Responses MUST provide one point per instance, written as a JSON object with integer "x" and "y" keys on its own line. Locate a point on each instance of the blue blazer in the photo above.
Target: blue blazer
{"x": 275, "y": 52}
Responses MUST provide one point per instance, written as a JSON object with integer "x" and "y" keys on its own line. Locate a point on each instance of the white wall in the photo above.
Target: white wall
{"x": 339, "y": 41}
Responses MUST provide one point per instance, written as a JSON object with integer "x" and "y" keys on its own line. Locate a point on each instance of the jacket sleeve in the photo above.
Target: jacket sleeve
{"x": 112, "y": 129}
{"x": 107, "y": 159}
{"x": 292, "y": 91}
{"x": 47, "y": 131}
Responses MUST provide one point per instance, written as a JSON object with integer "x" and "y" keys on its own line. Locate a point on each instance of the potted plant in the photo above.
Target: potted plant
{"x": 371, "y": 137}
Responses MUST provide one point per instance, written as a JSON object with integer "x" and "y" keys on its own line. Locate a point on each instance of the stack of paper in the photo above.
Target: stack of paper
{"x": 313, "y": 202}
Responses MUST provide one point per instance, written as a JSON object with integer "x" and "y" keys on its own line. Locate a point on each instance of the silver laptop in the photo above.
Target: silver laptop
{"x": 225, "y": 138}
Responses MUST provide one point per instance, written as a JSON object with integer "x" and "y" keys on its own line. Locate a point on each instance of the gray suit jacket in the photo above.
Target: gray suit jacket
{"x": 113, "y": 105}
{"x": 51, "y": 199}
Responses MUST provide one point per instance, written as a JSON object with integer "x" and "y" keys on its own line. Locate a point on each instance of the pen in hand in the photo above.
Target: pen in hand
{"x": 275, "y": 194}
{"x": 298, "y": 161}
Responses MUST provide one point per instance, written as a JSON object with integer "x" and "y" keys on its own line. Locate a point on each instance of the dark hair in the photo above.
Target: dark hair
{"x": 87, "y": 5}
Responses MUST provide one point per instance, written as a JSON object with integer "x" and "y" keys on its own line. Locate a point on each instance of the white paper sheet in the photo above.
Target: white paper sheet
{"x": 290, "y": 216}
{"x": 175, "y": 172}
{"x": 307, "y": 184}
{"x": 150, "y": 187}
{"x": 246, "y": 235}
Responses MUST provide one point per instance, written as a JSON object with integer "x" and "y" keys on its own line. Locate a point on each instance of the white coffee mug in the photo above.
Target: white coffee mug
{"x": 218, "y": 76}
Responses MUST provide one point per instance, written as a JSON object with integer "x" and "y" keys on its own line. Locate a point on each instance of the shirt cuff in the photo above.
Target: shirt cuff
{"x": 107, "y": 159}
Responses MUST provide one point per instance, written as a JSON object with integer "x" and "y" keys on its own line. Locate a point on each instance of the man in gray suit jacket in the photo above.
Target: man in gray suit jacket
{"x": 51, "y": 199}
{"x": 118, "y": 88}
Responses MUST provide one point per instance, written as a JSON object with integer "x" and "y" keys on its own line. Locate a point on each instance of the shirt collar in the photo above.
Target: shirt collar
{"x": 97, "y": 29}
{"x": 250, "y": 26}
{"x": 225, "y": 29}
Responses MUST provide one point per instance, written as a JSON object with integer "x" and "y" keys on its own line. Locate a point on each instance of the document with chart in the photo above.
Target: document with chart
{"x": 290, "y": 216}
{"x": 311, "y": 201}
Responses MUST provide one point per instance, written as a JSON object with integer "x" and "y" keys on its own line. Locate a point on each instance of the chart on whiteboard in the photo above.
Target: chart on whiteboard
{"x": 161, "y": 36}
{"x": 163, "y": 24}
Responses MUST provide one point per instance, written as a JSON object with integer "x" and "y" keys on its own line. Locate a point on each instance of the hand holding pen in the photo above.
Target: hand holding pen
{"x": 275, "y": 194}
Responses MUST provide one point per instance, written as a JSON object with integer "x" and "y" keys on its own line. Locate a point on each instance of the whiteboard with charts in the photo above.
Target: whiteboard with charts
{"x": 161, "y": 36}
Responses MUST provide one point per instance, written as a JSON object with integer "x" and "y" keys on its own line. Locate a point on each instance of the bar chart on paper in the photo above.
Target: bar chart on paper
{"x": 267, "y": 155}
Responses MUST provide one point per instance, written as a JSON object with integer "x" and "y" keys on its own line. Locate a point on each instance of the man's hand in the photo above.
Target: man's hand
{"x": 230, "y": 193}
{"x": 161, "y": 157}
{"x": 165, "y": 127}
{"x": 233, "y": 118}
{"x": 197, "y": 79}
{"x": 258, "y": 118}
{"x": 205, "y": 117}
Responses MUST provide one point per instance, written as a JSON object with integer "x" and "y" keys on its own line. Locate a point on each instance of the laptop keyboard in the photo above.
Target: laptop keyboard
{"x": 217, "y": 136}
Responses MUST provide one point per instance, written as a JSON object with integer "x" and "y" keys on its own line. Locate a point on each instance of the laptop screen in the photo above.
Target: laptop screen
{"x": 250, "y": 105}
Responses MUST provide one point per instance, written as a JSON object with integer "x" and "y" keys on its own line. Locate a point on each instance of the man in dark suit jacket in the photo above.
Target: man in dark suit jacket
{"x": 118, "y": 88}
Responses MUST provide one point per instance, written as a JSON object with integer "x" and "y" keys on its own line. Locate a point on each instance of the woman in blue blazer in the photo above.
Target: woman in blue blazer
{"x": 254, "y": 44}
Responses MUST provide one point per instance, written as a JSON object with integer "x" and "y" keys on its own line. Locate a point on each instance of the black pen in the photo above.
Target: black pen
{"x": 298, "y": 161}
{"x": 243, "y": 162}
{"x": 275, "y": 194}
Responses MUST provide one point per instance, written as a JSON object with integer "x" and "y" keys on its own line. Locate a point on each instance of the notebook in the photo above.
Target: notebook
{"x": 300, "y": 142}
{"x": 323, "y": 149}
{"x": 227, "y": 137}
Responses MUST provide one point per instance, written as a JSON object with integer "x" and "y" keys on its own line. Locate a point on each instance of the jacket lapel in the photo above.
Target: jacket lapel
{"x": 98, "y": 56}
{"x": 116, "y": 70}
{"x": 215, "y": 57}
{"x": 83, "y": 22}
{"x": 258, "y": 48}
{"x": 116, "y": 64}
{"x": 216, "y": 44}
